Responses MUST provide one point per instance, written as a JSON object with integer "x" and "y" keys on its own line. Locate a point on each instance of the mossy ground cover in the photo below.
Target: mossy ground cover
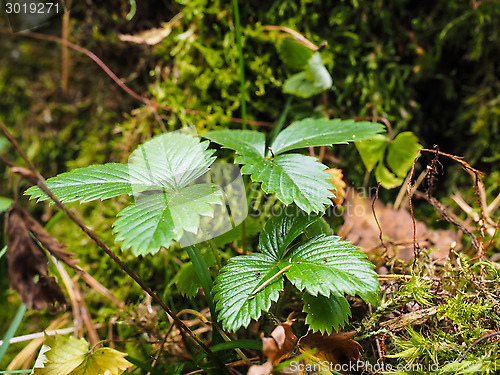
{"x": 428, "y": 67}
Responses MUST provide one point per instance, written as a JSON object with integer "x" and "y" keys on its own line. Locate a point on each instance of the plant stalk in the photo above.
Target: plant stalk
{"x": 203, "y": 274}
{"x": 241, "y": 64}
{"x": 243, "y": 99}
{"x": 282, "y": 119}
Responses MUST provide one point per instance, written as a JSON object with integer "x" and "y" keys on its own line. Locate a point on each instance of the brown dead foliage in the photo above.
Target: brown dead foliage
{"x": 336, "y": 349}
{"x": 27, "y": 262}
{"x": 276, "y": 347}
{"x": 339, "y": 183}
{"x": 360, "y": 227}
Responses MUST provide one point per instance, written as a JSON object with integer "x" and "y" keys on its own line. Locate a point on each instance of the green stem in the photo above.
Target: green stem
{"x": 242, "y": 68}
{"x": 282, "y": 119}
{"x": 3, "y": 251}
{"x": 243, "y": 100}
{"x": 216, "y": 254}
{"x": 133, "y": 10}
{"x": 244, "y": 236}
{"x": 203, "y": 273}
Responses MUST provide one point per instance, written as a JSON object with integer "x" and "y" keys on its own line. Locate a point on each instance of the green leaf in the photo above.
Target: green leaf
{"x": 66, "y": 355}
{"x": 61, "y": 355}
{"x": 245, "y": 142}
{"x": 243, "y": 275}
{"x": 294, "y": 54}
{"x": 313, "y": 80}
{"x": 236, "y": 285}
{"x": 161, "y": 214}
{"x": 103, "y": 361}
{"x": 317, "y": 228}
{"x": 293, "y": 178}
{"x": 187, "y": 281}
{"x": 326, "y": 313}
{"x": 400, "y": 154}
{"x": 280, "y": 231}
{"x": 170, "y": 161}
{"x": 323, "y": 132}
{"x": 299, "y": 86}
{"x": 372, "y": 150}
{"x": 158, "y": 174}
{"x": 387, "y": 179}
{"x": 87, "y": 184}
{"x": 155, "y": 220}
{"x": 402, "y": 150}
{"x": 14, "y": 324}
{"x": 5, "y": 204}
{"x": 316, "y": 73}
{"x": 325, "y": 265}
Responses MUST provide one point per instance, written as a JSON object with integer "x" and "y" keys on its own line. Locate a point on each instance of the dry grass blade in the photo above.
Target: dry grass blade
{"x": 152, "y": 36}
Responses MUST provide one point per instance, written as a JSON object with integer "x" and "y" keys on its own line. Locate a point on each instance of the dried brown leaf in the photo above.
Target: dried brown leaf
{"x": 264, "y": 369}
{"x": 276, "y": 347}
{"x": 281, "y": 343}
{"x": 28, "y": 273}
{"x": 339, "y": 183}
{"x": 335, "y": 349}
{"x": 48, "y": 241}
{"x": 337, "y": 346}
{"x": 25, "y": 173}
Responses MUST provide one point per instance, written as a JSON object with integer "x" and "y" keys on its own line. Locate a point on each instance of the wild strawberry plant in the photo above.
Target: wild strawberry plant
{"x": 323, "y": 266}
{"x": 164, "y": 175}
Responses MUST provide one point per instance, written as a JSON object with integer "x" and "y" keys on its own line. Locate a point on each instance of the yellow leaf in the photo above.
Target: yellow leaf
{"x": 104, "y": 361}
{"x": 71, "y": 356}
{"x": 65, "y": 353}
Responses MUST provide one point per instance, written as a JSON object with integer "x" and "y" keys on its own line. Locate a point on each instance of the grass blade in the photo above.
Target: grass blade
{"x": 12, "y": 330}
